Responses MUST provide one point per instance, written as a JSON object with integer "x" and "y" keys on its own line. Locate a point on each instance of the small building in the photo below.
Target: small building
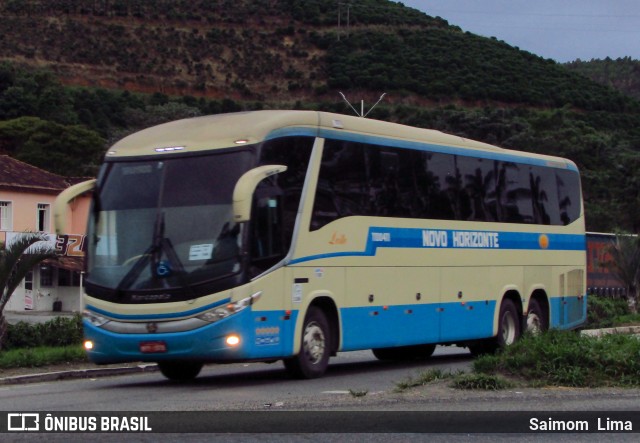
{"x": 27, "y": 194}
{"x": 600, "y": 278}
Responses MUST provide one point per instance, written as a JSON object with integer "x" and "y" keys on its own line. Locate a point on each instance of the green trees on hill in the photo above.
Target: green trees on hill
{"x": 299, "y": 54}
{"x": 67, "y": 130}
{"x": 67, "y": 150}
{"x": 621, "y": 73}
{"x": 444, "y": 64}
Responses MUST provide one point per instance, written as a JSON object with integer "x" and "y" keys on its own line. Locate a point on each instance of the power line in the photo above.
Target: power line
{"x": 532, "y": 14}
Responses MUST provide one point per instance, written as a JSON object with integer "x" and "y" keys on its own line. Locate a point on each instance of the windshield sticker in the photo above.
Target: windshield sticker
{"x": 200, "y": 252}
{"x": 136, "y": 170}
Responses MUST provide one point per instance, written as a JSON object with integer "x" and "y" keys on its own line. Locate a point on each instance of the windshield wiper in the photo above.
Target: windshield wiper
{"x": 153, "y": 257}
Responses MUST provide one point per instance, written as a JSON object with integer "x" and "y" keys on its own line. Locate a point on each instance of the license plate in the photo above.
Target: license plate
{"x": 153, "y": 347}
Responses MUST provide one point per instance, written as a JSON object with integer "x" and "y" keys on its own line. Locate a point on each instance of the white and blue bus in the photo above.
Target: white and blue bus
{"x": 293, "y": 235}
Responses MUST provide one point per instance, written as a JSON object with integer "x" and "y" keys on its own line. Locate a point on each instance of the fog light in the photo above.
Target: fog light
{"x": 233, "y": 340}
{"x": 88, "y": 345}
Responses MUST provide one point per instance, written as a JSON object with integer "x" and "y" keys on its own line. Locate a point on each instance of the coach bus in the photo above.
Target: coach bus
{"x": 294, "y": 235}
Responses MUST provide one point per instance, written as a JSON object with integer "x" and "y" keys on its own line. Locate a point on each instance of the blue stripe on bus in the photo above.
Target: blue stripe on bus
{"x": 448, "y": 322}
{"x": 406, "y": 325}
{"x": 270, "y": 334}
{"x": 386, "y": 237}
{"x": 158, "y": 316}
{"x": 418, "y": 146}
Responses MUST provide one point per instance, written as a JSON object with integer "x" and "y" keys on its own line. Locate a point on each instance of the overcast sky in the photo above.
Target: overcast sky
{"x": 563, "y": 30}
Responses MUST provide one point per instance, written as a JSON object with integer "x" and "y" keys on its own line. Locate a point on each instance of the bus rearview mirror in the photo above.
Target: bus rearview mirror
{"x": 245, "y": 187}
{"x": 63, "y": 199}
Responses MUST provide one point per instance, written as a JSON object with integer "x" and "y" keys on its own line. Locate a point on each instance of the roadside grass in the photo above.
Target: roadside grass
{"x": 459, "y": 380}
{"x": 485, "y": 382}
{"x": 565, "y": 358}
{"x": 358, "y": 393}
{"x": 554, "y": 358}
{"x": 626, "y": 320}
{"x": 423, "y": 378}
{"x": 41, "y": 356}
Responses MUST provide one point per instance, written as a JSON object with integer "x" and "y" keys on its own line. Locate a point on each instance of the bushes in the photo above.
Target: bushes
{"x": 61, "y": 331}
{"x": 602, "y": 312}
{"x": 41, "y": 356}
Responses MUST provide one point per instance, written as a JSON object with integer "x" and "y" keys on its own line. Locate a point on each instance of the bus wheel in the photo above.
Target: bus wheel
{"x": 180, "y": 370}
{"x": 509, "y": 324}
{"x": 418, "y": 352}
{"x": 313, "y": 359}
{"x": 509, "y": 330}
{"x": 536, "y": 318}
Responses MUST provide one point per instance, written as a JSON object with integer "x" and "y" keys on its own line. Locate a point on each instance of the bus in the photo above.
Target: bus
{"x": 294, "y": 235}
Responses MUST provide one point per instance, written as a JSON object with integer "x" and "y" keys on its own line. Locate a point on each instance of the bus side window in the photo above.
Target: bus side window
{"x": 294, "y": 152}
{"x": 568, "y": 183}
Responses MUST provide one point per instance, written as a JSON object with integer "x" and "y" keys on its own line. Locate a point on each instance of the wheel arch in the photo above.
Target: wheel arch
{"x": 328, "y": 306}
{"x": 513, "y": 295}
{"x": 540, "y": 298}
{"x": 325, "y": 302}
{"x": 540, "y": 295}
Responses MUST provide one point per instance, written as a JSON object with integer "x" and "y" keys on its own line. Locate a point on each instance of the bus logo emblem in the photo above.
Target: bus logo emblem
{"x": 543, "y": 241}
{"x": 338, "y": 239}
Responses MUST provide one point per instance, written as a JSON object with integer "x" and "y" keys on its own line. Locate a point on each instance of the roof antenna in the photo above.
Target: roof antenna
{"x": 361, "y": 113}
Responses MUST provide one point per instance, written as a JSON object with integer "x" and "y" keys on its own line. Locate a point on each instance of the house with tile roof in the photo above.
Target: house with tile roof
{"x": 27, "y": 194}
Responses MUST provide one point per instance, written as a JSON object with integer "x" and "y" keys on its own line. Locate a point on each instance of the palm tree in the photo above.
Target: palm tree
{"x": 16, "y": 260}
{"x": 625, "y": 264}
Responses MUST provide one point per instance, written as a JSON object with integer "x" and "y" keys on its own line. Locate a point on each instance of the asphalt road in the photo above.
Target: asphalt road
{"x": 355, "y": 384}
{"x": 356, "y": 390}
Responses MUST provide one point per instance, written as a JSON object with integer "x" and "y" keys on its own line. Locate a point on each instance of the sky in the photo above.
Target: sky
{"x": 562, "y": 30}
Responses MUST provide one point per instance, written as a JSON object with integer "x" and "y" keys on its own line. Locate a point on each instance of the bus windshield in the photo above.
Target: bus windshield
{"x": 165, "y": 224}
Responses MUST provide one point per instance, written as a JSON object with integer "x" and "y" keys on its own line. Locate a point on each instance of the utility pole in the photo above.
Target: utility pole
{"x": 348, "y": 5}
{"x": 339, "y": 17}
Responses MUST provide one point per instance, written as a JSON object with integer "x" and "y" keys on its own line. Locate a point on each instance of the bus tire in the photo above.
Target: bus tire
{"x": 313, "y": 359}
{"x": 509, "y": 324}
{"x": 180, "y": 370}
{"x": 406, "y": 353}
{"x": 537, "y": 321}
{"x": 509, "y": 330}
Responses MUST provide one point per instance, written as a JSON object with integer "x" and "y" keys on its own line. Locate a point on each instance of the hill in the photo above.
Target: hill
{"x": 622, "y": 74}
{"x": 276, "y": 49}
{"x": 115, "y": 66}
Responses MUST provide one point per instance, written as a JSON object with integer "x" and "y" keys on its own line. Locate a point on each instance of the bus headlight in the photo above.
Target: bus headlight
{"x": 225, "y": 311}
{"x": 94, "y": 319}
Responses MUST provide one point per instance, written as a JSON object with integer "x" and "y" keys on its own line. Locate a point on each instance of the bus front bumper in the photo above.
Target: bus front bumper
{"x": 244, "y": 336}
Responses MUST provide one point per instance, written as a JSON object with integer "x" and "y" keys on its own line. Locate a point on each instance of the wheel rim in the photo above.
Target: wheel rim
{"x": 508, "y": 329}
{"x": 314, "y": 342}
{"x": 534, "y": 325}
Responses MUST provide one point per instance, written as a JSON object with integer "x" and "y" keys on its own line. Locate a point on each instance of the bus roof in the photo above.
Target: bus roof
{"x": 234, "y": 129}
